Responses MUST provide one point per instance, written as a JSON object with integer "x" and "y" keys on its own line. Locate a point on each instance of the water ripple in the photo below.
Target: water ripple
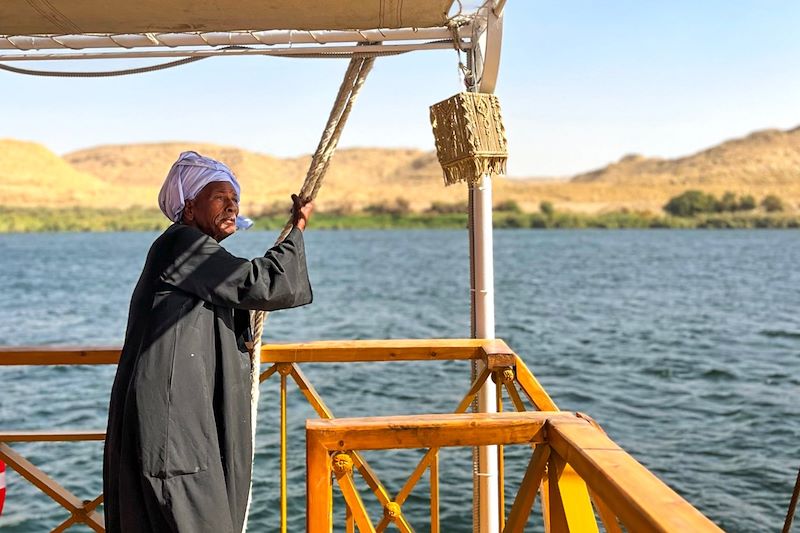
{"x": 683, "y": 345}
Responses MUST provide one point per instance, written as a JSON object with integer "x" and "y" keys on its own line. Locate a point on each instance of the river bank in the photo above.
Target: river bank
{"x": 29, "y": 220}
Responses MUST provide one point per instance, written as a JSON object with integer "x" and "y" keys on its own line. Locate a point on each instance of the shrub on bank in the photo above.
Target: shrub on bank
{"x": 772, "y": 203}
{"x": 444, "y": 208}
{"x": 508, "y": 206}
{"x": 691, "y": 203}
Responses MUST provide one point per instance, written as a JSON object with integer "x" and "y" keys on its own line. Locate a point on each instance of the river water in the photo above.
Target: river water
{"x": 683, "y": 345}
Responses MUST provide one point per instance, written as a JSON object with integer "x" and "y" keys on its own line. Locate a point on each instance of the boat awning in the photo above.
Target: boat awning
{"x": 75, "y": 17}
{"x": 97, "y": 29}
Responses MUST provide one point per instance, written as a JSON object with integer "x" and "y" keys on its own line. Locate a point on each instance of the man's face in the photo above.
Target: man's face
{"x": 214, "y": 210}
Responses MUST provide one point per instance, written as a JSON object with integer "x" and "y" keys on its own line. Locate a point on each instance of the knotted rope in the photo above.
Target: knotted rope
{"x": 353, "y": 81}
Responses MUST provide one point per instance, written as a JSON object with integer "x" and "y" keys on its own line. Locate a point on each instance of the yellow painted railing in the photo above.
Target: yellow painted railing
{"x": 623, "y": 491}
{"x": 569, "y": 506}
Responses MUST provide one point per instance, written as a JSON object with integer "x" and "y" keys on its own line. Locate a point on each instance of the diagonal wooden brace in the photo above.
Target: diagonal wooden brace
{"x": 80, "y": 511}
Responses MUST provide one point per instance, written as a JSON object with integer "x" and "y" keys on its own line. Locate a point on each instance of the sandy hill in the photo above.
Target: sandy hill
{"x": 123, "y": 175}
{"x": 30, "y": 174}
{"x": 357, "y": 176}
{"x": 769, "y": 157}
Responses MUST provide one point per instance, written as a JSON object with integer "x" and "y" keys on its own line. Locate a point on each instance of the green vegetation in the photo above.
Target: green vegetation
{"x": 328, "y": 221}
{"x": 547, "y": 209}
{"x": 508, "y": 206}
{"x": 693, "y": 203}
{"x": 80, "y": 219}
{"x": 772, "y": 203}
{"x": 398, "y": 215}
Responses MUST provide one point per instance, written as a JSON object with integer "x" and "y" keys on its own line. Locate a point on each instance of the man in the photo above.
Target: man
{"x": 178, "y": 452}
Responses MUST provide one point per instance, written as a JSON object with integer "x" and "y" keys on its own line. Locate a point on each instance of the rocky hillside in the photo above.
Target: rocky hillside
{"x": 124, "y": 175}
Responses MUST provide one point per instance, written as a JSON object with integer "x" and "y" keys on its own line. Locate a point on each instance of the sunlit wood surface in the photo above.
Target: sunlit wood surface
{"x": 637, "y": 499}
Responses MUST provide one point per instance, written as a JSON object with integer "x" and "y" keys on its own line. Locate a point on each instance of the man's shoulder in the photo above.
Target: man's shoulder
{"x": 177, "y": 240}
{"x": 179, "y": 233}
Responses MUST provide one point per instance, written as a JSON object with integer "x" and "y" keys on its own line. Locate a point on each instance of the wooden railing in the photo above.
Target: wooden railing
{"x": 623, "y": 491}
{"x": 569, "y": 506}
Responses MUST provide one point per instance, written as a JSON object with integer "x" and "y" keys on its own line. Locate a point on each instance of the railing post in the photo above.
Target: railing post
{"x": 319, "y": 490}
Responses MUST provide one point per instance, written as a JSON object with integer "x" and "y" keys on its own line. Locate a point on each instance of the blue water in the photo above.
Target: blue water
{"x": 683, "y": 345}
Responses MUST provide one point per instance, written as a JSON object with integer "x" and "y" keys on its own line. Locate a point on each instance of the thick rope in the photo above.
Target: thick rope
{"x": 787, "y": 525}
{"x": 103, "y": 74}
{"x": 185, "y": 61}
{"x": 354, "y": 79}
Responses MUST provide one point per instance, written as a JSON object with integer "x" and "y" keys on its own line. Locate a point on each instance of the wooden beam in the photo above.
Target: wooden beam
{"x": 640, "y": 500}
{"x": 526, "y": 495}
{"x": 55, "y": 355}
{"x": 353, "y": 501}
{"x": 373, "y": 350}
{"x": 608, "y": 518}
{"x": 556, "y": 521}
{"x": 51, "y": 436}
{"x": 532, "y": 388}
{"x": 319, "y": 487}
{"x": 80, "y": 511}
{"x": 316, "y": 401}
{"x": 423, "y": 431}
{"x": 319, "y": 352}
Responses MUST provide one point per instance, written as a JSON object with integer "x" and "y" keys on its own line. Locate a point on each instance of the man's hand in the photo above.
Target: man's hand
{"x": 301, "y": 211}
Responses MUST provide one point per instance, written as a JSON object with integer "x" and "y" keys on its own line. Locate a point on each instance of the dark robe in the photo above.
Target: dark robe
{"x": 178, "y": 449}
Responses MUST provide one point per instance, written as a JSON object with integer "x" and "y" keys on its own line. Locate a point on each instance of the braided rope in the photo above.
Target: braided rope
{"x": 321, "y": 54}
{"x": 104, "y": 74}
{"x": 354, "y": 79}
{"x": 787, "y": 525}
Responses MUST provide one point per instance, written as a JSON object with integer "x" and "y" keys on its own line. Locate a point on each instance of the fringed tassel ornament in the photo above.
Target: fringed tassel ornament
{"x": 470, "y": 137}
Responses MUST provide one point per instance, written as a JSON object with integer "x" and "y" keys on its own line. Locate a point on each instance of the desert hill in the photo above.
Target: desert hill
{"x": 769, "y": 157}
{"x": 29, "y": 172}
{"x": 765, "y": 162}
{"x": 357, "y": 177}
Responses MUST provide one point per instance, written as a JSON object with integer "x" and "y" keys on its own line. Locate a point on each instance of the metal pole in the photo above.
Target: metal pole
{"x": 484, "y": 61}
{"x": 296, "y": 51}
{"x": 483, "y": 311}
{"x": 242, "y": 38}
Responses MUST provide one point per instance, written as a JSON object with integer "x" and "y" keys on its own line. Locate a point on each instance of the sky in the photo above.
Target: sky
{"x": 582, "y": 83}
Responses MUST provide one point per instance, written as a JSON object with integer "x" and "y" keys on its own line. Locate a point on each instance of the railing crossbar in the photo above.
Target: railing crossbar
{"x": 79, "y": 512}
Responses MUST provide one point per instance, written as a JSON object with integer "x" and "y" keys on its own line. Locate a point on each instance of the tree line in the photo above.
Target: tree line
{"x": 692, "y": 203}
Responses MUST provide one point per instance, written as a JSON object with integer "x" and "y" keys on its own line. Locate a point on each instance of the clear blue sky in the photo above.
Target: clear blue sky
{"x": 582, "y": 83}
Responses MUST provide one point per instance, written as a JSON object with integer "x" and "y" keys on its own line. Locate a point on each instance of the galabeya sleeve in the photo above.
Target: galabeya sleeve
{"x": 200, "y": 266}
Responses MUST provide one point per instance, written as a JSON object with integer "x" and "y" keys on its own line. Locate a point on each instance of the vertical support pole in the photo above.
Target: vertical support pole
{"x": 483, "y": 63}
{"x": 284, "y": 487}
{"x": 501, "y": 503}
{"x": 319, "y": 487}
{"x": 434, "y": 473}
{"x": 483, "y": 319}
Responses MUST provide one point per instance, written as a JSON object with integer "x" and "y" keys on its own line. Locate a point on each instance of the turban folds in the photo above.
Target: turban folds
{"x": 187, "y": 177}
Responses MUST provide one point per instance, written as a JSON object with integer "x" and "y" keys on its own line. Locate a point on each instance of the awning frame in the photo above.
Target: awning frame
{"x": 287, "y": 43}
